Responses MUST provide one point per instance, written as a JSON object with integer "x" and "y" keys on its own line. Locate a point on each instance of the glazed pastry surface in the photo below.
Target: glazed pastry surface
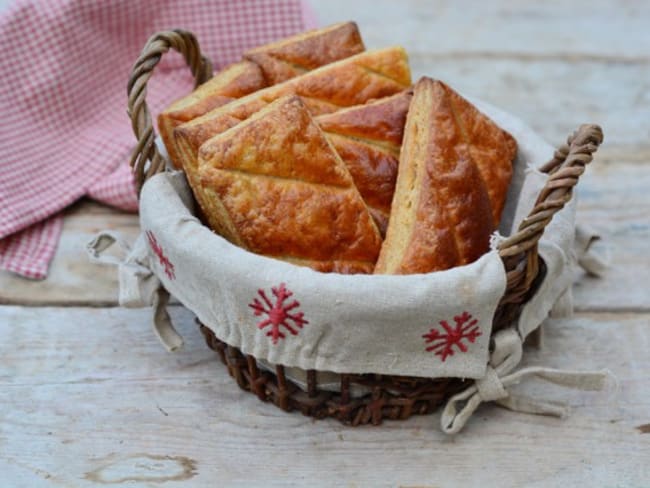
{"x": 261, "y": 67}
{"x": 285, "y": 59}
{"x": 274, "y": 185}
{"x": 454, "y": 162}
{"x": 368, "y": 139}
{"x": 351, "y": 81}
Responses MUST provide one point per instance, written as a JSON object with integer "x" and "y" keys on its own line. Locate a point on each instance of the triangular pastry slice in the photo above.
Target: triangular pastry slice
{"x": 441, "y": 214}
{"x": 263, "y": 66}
{"x": 368, "y": 139}
{"x": 274, "y": 185}
{"x": 351, "y": 81}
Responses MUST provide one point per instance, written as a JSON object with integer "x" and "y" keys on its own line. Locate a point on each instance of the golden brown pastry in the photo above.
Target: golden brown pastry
{"x": 491, "y": 148}
{"x": 275, "y": 186}
{"x": 351, "y": 81}
{"x": 304, "y": 52}
{"x": 441, "y": 214}
{"x": 265, "y": 66}
{"x": 232, "y": 82}
{"x": 368, "y": 139}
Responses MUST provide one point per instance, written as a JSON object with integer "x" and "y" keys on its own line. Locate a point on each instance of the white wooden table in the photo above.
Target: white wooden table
{"x": 88, "y": 397}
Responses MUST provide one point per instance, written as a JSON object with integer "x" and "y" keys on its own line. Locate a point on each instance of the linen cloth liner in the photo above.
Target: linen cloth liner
{"x": 356, "y": 323}
{"x": 360, "y": 323}
{"x": 64, "y": 132}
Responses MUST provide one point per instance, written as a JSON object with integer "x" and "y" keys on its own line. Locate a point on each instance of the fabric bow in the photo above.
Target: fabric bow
{"x": 139, "y": 286}
{"x": 506, "y": 355}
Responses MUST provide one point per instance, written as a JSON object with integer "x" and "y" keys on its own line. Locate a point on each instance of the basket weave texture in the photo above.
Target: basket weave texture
{"x": 392, "y": 397}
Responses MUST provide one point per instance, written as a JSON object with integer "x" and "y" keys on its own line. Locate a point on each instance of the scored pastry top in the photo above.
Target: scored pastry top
{"x": 282, "y": 60}
{"x": 368, "y": 139}
{"x": 419, "y": 165}
{"x": 274, "y": 185}
{"x": 351, "y": 81}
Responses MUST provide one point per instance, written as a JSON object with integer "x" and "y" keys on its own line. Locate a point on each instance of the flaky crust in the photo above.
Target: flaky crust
{"x": 368, "y": 139}
{"x": 492, "y": 149}
{"x": 304, "y": 52}
{"x": 274, "y": 185}
{"x": 351, "y": 81}
{"x": 234, "y": 81}
{"x": 261, "y": 67}
{"x": 441, "y": 215}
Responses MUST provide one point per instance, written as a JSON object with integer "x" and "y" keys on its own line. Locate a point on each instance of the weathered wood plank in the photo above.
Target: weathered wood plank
{"x": 554, "y": 97}
{"x": 613, "y": 198}
{"x": 592, "y": 29}
{"x": 89, "y": 396}
{"x": 553, "y": 67}
{"x": 72, "y": 278}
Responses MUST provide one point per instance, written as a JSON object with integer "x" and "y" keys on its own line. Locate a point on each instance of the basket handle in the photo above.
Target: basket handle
{"x": 519, "y": 251}
{"x": 185, "y": 43}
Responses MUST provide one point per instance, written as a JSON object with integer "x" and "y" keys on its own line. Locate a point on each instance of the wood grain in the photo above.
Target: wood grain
{"x": 613, "y": 199}
{"x": 554, "y": 67}
{"x": 581, "y": 27}
{"x": 91, "y": 396}
{"x": 73, "y": 279}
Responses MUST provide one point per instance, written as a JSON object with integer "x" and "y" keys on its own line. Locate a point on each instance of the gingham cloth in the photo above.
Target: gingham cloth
{"x": 64, "y": 132}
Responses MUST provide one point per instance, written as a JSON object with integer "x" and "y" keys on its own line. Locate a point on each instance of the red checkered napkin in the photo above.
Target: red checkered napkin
{"x": 64, "y": 132}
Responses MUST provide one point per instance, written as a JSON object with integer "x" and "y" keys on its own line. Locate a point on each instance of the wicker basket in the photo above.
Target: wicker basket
{"x": 392, "y": 397}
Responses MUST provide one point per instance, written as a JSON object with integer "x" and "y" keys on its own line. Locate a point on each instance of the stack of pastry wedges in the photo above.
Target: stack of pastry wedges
{"x": 315, "y": 151}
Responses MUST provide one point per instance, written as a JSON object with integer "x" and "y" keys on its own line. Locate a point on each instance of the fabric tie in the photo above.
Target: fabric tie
{"x": 494, "y": 386}
{"x": 139, "y": 286}
{"x": 593, "y": 259}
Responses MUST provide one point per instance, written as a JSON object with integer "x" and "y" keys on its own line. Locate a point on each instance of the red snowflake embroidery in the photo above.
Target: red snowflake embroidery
{"x": 443, "y": 342}
{"x": 158, "y": 251}
{"x": 278, "y": 313}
